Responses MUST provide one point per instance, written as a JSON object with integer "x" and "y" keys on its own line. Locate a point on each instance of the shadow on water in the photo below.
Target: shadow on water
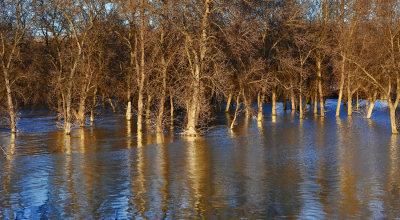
{"x": 282, "y": 167}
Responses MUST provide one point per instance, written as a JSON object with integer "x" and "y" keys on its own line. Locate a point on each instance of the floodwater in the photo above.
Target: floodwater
{"x": 282, "y": 168}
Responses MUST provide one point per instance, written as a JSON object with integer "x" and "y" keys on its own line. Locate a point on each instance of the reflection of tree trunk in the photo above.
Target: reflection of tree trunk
{"x": 341, "y": 86}
{"x": 371, "y": 105}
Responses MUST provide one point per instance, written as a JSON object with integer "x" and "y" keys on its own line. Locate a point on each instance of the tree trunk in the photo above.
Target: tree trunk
{"x": 93, "y": 107}
{"x": 172, "y": 111}
{"x": 59, "y": 108}
{"x": 392, "y": 111}
{"x": 284, "y": 101}
{"x": 81, "y": 111}
{"x": 10, "y": 104}
{"x": 228, "y": 103}
{"x": 315, "y": 104}
{"x": 159, "y": 125}
{"x": 357, "y": 104}
{"x": 236, "y": 111}
{"x": 273, "y": 101}
{"x": 112, "y": 104}
{"x": 321, "y": 95}
{"x": 141, "y": 78}
{"x": 247, "y": 104}
{"x": 67, "y": 114}
{"x": 292, "y": 98}
{"x": 301, "y": 105}
{"x": 341, "y": 87}
{"x": 371, "y": 105}
{"x": 349, "y": 98}
{"x": 129, "y": 110}
{"x": 261, "y": 98}
{"x": 148, "y": 105}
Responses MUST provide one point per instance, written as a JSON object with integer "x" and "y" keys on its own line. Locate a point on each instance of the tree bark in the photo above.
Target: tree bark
{"x": 273, "y": 101}
{"x": 371, "y": 105}
{"x": 261, "y": 98}
{"x": 236, "y": 112}
{"x": 292, "y": 98}
{"x": 10, "y": 104}
{"x": 341, "y": 86}
{"x": 392, "y": 112}
{"x": 321, "y": 95}
{"x": 228, "y": 103}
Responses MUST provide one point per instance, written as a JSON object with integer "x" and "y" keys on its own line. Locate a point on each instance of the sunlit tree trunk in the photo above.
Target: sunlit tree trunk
{"x": 10, "y": 104}
{"x": 236, "y": 111}
{"x": 261, "y": 99}
{"x": 171, "y": 101}
{"x": 292, "y": 98}
{"x": 141, "y": 78}
{"x": 228, "y": 102}
{"x": 93, "y": 107}
{"x": 371, "y": 105}
{"x": 315, "y": 100}
{"x": 392, "y": 112}
{"x": 341, "y": 86}
{"x": 193, "y": 106}
{"x": 273, "y": 101}
{"x": 148, "y": 105}
{"x": 320, "y": 93}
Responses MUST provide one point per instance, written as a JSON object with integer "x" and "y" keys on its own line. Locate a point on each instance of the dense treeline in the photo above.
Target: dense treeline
{"x": 154, "y": 57}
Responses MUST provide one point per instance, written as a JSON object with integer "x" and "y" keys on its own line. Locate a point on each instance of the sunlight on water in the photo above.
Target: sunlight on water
{"x": 282, "y": 167}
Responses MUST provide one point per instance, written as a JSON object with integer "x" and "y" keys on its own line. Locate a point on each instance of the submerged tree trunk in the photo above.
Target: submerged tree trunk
{"x": 392, "y": 112}
{"x": 10, "y": 104}
{"x": 247, "y": 105}
{"x": 194, "y": 102}
{"x": 292, "y": 98}
{"x": 321, "y": 95}
{"x": 159, "y": 123}
{"x": 315, "y": 104}
{"x": 93, "y": 107}
{"x": 371, "y": 105}
{"x": 274, "y": 101}
{"x": 349, "y": 98}
{"x": 236, "y": 112}
{"x": 141, "y": 77}
{"x": 171, "y": 101}
{"x": 341, "y": 86}
{"x": 260, "y": 100}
